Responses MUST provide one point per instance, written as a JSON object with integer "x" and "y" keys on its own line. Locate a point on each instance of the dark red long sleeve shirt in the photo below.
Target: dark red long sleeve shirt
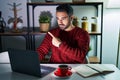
{"x": 73, "y": 49}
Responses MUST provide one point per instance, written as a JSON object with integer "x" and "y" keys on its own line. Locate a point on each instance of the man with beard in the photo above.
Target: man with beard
{"x": 68, "y": 43}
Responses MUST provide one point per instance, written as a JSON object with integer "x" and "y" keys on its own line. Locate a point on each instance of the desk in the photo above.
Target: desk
{"x": 7, "y": 74}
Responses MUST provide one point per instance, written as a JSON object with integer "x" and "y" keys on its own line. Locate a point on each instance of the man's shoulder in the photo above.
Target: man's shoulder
{"x": 80, "y": 30}
{"x": 54, "y": 29}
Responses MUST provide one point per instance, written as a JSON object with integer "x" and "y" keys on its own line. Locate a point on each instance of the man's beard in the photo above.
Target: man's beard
{"x": 63, "y": 27}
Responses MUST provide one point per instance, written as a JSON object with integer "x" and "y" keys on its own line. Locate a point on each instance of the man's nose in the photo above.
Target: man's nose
{"x": 60, "y": 21}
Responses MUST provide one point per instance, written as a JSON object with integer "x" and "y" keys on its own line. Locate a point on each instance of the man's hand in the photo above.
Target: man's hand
{"x": 55, "y": 41}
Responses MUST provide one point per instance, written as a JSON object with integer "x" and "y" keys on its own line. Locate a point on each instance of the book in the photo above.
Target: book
{"x": 88, "y": 70}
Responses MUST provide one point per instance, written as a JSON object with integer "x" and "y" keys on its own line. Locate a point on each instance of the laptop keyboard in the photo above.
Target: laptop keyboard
{"x": 45, "y": 70}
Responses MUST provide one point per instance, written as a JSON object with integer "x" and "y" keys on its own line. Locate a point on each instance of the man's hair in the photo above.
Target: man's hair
{"x": 65, "y": 8}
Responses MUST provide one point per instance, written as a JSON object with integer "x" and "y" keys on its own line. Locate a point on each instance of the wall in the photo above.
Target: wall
{"x": 110, "y": 28}
{"x": 110, "y": 35}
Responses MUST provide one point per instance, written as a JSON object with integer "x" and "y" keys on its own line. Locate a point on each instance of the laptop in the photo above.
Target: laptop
{"x": 27, "y": 62}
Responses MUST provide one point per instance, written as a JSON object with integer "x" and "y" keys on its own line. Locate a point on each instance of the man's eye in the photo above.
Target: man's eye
{"x": 63, "y": 18}
{"x": 57, "y": 18}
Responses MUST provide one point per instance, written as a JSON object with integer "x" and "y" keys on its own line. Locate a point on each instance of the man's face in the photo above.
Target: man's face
{"x": 63, "y": 20}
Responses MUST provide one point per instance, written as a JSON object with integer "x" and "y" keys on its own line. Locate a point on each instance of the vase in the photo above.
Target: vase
{"x": 44, "y": 27}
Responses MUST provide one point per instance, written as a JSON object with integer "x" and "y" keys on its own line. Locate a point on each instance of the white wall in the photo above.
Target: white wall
{"x": 110, "y": 35}
{"x": 110, "y": 26}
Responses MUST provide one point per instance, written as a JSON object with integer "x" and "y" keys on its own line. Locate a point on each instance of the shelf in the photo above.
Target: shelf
{"x": 56, "y": 3}
{"x": 36, "y": 33}
{"x": 94, "y": 33}
{"x": 94, "y": 59}
{"x": 39, "y": 33}
{"x": 98, "y": 8}
{"x": 13, "y": 34}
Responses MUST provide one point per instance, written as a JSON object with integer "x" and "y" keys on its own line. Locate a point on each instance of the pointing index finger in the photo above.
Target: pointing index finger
{"x": 51, "y": 34}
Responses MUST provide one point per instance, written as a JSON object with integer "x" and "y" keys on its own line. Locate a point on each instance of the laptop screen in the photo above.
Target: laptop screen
{"x": 27, "y": 62}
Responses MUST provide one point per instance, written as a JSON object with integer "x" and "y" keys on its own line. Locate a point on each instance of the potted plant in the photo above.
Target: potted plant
{"x": 45, "y": 20}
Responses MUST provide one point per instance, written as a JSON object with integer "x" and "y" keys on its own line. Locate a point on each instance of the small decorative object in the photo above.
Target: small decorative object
{"x": 85, "y": 23}
{"x": 94, "y": 25}
{"x": 75, "y": 21}
{"x": 2, "y": 23}
{"x": 45, "y": 20}
{"x": 15, "y": 20}
{"x": 76, "y": 1}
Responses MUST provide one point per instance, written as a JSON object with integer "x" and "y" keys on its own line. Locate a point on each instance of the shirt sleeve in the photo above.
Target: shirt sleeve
{"x": 44, "y": 47}
{"x": 79, "y": 53}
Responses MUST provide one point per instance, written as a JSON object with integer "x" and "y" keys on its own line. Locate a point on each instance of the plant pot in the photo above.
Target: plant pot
{"x": 44, "y": 27}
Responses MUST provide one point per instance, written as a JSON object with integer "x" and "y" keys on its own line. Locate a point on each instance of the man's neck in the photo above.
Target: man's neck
{"x": 70, "y": 28}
